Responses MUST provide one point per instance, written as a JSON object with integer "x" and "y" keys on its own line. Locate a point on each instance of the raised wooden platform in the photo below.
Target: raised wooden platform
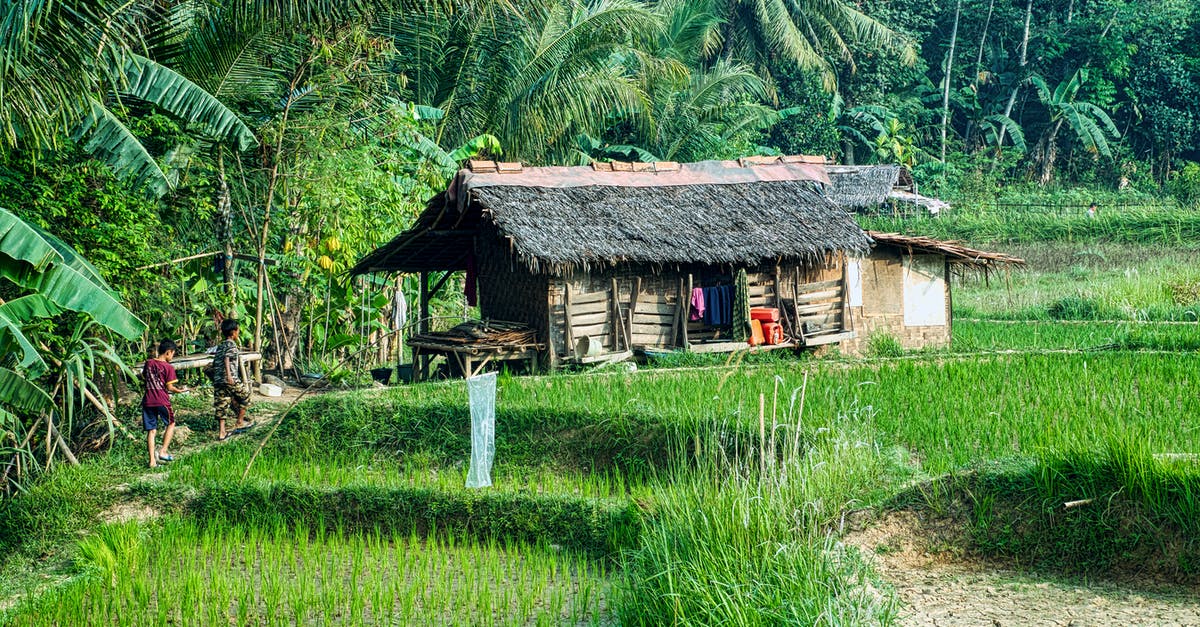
{"x": 202, "y": 360}
{"x": 472, "y": 357}
{"x": 828, "y": 338}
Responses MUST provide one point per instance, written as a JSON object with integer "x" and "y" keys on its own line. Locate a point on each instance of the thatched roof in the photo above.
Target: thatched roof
{"x": 861, "y": 186}
{"x": 556, "y": 219}
{"x": 955, "y": 252}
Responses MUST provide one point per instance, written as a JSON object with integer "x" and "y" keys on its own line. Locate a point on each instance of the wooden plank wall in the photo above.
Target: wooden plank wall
{"x": 599, "y": 306}
{"x": 819, "y": 306}
{"x": 626, "y": 309}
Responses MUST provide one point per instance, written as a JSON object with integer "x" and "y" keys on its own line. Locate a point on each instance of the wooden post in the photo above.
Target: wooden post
{"x": 567, "y": 316}
{"x": 633, "y": 299}
{"x": 551, "y": 353}
{"x": 796, "y": 307}
{"x": 423, "y": 325}
{"x": 778, "y": 289}
{"x": 681, "y": 314}
{"x": 690, "y": 287}
{"x": 615, "y": 313}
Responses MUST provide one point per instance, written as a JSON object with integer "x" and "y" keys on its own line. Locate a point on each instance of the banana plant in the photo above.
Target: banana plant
{"x": 52, "y": 280}
{"x": 106, "y": 137}
{"x": 1091, "y": 124}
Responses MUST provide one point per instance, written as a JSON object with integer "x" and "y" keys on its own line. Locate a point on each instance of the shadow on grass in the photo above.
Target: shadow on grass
{"x": 1097, "y": 516}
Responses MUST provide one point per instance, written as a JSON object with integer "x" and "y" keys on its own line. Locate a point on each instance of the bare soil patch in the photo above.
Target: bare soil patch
{"x": 941, "y": 584}
{"x": 126, "y": 511}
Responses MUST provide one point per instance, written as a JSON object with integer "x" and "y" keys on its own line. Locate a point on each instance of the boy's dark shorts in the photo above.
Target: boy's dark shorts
{"x": 155, "y": 417}
{"x": 227, "y": 399}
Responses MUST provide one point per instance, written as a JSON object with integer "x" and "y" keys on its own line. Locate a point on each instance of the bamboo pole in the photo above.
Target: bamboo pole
{"x": 800, "y": 418}
{"x": 762, "y": 433}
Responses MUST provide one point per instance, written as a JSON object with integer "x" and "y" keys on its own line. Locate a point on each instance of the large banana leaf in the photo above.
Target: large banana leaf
{"x": 20, "y": 241}
{"x": 13, "y": 315}
{"x": 70, "y": 258}
{"x": 109, "y": 140}
{"x": 67, "y": 288}
{"x": 21, "y": 394}
{"x": 156, "y": 83}
{"x": 66, "y": 281}
{"x": 31, "y": 237}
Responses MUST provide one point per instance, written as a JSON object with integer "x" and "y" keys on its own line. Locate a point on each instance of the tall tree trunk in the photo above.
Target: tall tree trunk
{"x": 946, "y": 82}
{"x": 1012, "y": 96}
{"x": 1048, "y": 152}
{"x": 983, "y": 39}
{"x": 225, "y": 231}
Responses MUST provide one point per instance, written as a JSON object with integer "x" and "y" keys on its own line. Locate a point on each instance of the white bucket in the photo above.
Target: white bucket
{"x": 267, "y": 389}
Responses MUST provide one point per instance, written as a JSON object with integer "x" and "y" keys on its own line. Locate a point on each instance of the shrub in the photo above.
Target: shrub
{"x": 1185, "y": 185}
{"x": 884, "y": 345}
{"x": 1074, "y": 308}
{"x": 1184, "y": 292}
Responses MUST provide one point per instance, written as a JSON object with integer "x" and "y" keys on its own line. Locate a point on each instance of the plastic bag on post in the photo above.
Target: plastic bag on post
{"x": 481, "y": 394}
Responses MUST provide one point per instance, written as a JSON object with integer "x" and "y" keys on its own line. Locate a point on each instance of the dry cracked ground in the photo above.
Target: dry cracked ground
{"x": 941, "y": 588}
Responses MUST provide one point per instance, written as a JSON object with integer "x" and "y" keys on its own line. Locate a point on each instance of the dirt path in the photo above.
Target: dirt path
{"x": 941, "y": 588}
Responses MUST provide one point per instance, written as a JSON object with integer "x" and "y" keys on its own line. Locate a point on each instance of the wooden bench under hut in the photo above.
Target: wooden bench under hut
{"x": 605, "y": 259}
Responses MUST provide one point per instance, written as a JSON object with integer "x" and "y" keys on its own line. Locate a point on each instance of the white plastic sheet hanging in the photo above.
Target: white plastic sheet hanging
{"x": 481, "y": 394}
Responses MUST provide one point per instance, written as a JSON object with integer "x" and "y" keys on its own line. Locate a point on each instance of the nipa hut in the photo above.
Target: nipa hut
{"x": 600, "y": 260}
{"x": 902, "y": 289}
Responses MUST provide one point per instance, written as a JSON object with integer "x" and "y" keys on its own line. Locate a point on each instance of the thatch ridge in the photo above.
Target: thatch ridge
{"x": 555, "y": 229}
{"x": 861, "y": 186}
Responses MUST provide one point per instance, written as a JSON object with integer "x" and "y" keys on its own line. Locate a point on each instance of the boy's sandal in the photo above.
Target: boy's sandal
{"x": 166, "y": 458}
{"x": 246, "y": 427}
{"x": 227, "y": 435}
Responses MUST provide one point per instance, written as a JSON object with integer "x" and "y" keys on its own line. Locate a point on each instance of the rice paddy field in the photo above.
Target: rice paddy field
{"x": 716, "y": 493}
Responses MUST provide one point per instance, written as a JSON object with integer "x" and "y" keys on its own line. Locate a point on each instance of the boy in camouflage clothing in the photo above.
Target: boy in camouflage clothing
{"x": 229, "y": 395}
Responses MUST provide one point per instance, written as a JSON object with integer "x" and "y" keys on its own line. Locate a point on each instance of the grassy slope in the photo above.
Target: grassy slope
{"x": 1017, "y": 434}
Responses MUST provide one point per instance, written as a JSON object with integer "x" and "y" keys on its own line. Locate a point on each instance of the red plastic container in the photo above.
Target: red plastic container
{"x": 766, "y": 314}
{"x": 772, "y": 333}
{"x": 756, "y": 333}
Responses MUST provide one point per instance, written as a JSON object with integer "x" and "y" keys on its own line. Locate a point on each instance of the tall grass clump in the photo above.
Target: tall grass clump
{"x": 750, "y": 539}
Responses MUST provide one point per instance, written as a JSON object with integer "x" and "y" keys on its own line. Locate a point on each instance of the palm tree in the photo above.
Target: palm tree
{"x": 535, "y": 78}
{"x": 59, "y": 58}
{"x": 809, "y": 32}
{"x": 1091, "y": 124}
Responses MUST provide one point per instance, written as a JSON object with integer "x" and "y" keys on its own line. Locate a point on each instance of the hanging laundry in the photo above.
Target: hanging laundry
{"x": 718, "y": 305}
{"x": 399, "y": 310}
{"x": 740, "y": 310}
{"x": 697, "y": 311}
{"x": 712, "y": 306}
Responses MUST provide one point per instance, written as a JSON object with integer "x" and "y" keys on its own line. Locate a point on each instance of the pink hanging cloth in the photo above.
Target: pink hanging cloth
{"x": 697, "y": 304}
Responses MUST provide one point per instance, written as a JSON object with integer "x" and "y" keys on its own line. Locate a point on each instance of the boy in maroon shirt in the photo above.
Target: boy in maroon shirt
{"x": 159, "y": 376}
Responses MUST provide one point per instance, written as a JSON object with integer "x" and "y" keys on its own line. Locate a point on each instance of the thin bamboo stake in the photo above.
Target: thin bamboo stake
{"x": 16, "y": 458}
{"x": 800, "y": 418}
{"x": 62, "y": 446}
{"x": 762, "y": 433}
{"x": 774, "y": 422}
